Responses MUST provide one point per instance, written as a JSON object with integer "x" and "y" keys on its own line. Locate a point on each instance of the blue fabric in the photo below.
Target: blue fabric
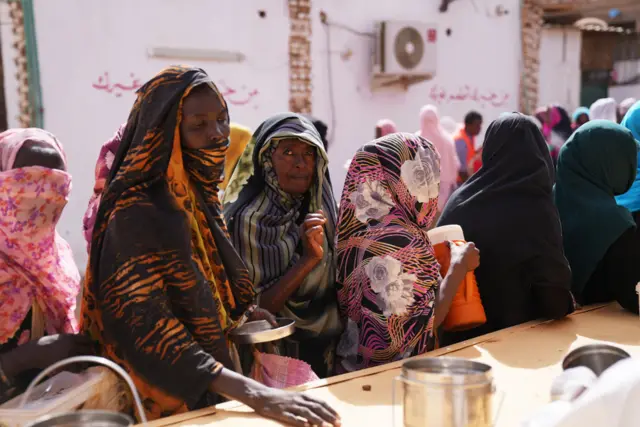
{"x": 461, "y": 149}
{"x": 631, "y": 199}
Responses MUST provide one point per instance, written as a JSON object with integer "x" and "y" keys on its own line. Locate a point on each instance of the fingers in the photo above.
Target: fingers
{"x": 313, "y": 222}
{"x": 291, "y": 419}
{"x": 327, "y": 412}
{"x": 307, "y": 413}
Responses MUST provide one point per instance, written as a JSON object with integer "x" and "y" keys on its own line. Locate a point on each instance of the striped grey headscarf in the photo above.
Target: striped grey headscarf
{"x": 263, "y": 222}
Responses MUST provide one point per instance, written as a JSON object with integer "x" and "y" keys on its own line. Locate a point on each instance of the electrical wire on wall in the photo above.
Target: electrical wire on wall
{"x": 327, "y": 27}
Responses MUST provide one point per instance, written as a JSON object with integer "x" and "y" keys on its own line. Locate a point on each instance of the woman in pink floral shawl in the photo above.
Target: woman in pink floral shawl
{"x": 388, "y": 281}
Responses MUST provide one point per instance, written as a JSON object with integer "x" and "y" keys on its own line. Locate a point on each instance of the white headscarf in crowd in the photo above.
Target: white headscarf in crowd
{"x": 604, "y": 109}
{"x": 625, "y": 106}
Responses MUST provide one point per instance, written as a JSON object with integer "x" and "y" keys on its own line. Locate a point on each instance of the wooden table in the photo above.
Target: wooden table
{"x": 525, "y": 360}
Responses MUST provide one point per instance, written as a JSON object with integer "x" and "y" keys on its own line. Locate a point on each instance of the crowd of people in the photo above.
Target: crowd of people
{"x": 197, "y": 225}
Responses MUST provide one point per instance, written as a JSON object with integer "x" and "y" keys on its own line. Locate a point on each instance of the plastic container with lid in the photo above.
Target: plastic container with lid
{"x": 466, "y": 311}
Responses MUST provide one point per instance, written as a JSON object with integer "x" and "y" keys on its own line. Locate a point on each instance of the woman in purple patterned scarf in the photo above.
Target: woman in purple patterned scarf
{"x": 389, "y": 286}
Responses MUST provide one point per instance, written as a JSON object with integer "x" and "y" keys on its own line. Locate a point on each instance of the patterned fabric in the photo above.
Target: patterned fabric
{"x": 387, "y": 272}
{"x": 386, "y": 127}
{"x": 264, "y": 224}
{"x": 631, "y": 199}
{"x": 163, "y": 283}
{"x": 238, "y": 140}
{"x": 599, "y": 161}
{"x": 36, "y": 264}
{"x": 103, "y": 167}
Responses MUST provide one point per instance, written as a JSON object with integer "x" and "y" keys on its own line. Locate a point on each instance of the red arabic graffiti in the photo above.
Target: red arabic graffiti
{"x": 440, "y": 95}
{"x": 241, "y": 96}
{"x": 235, "y": 97}
{"x": 104, "y": 83}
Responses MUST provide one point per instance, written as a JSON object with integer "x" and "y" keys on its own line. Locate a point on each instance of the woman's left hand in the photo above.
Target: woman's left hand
{"x": 262, "y": 314}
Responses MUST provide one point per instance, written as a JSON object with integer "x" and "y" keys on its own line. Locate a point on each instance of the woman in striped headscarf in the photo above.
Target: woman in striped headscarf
{"x": 164, "y": 285}
{"x": 281, "y": 214}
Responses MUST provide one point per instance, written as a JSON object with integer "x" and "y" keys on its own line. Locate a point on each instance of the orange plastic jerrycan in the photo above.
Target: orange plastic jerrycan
{"x": 466, "y": 310}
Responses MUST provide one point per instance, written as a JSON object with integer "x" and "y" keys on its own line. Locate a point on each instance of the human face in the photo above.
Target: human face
{"x": 582, "y": 119}
{"x": 205, "y": 119}
{"x": 294, "y": 162}
{"x": 474, "y": 128}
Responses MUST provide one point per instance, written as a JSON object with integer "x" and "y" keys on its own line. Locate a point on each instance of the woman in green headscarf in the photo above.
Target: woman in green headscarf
{"x": 596, "y": 164}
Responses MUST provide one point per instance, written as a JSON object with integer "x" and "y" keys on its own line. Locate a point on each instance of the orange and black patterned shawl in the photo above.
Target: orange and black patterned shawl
{"x": 164, "y": 284}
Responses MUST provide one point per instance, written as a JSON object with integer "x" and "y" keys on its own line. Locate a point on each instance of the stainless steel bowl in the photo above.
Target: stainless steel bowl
{"x": 597, "y": 357}
{"x": 84, "y": 419}
{"x": 261, "y": 331}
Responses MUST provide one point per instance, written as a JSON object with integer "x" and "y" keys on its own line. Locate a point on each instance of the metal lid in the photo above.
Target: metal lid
{"x": 261, "y": 331}
{"x": 447, "y": 371}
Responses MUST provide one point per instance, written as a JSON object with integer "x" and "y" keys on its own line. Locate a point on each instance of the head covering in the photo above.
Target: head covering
{"x": 579, "y": 112}
{"x": 625, "y": 105}
{"x": 387, "y": 273}
{"x": 597, "y": 163}
{"x": 507, "y": 210}
{"x": 449, "y": 125}
{"x": 431, "y": 130}
{"x": 631, "y": 199}
{"x": 322, "y": 129}
{"x": 604, "y": 109}
{"x": 36, "y": 264}
{"x": 164, "y": 284}
{"x": 264, "y": 224}
{"x": 386, "y": 127}
{"x": 238, "y": 140}
{"x": 562, "y": 126}
{"x": 103, "y": 167}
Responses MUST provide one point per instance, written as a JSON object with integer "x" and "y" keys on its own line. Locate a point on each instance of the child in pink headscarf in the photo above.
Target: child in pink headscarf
{"x": 39, "y": 280}
{"x": 385, "y": 127}
{"x": 431, "y": 130}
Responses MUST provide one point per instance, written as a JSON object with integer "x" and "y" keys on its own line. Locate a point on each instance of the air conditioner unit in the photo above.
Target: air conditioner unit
{"x": 405, "y": 49}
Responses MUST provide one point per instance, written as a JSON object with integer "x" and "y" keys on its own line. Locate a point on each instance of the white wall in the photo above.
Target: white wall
{"x": 620, "y": 93}
{"x": 79, "y": 40}
{"x": 560, "y": 74}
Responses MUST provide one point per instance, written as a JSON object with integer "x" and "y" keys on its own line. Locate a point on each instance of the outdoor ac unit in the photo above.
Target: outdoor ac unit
{"x": 405, "y": 48}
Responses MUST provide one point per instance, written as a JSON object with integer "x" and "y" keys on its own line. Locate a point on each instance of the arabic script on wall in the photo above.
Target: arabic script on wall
{"x": 441, "y": 95}
{"x": 234, "y": 96}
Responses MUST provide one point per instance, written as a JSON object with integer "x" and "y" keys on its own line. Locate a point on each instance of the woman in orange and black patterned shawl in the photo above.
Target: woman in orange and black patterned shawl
{"x": 164, "y": 284}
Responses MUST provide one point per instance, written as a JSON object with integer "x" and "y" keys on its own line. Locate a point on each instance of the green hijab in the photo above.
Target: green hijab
{"x": 598, "y": 162}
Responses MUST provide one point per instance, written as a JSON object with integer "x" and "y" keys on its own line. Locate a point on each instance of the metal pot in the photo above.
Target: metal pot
{"x": 597, "y": 357}
{"x": 86, "y": 418}
{"x": 446, "y": 392}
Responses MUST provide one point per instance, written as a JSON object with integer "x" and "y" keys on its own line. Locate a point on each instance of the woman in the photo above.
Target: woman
{"x": 599, "y": 162}
{"x": 580, "y": 117}
{"x": 103, "y": 167}
{"x": 385, "y": 127}
{"x": 39, "y": 281}
{"x": 556, "y": 128}
{"x": 238, "y": 140}
{"x": 507, "y": 210}
{"x": 604, "y": 109}
{"x": 431, "y": 130}
{"x": 631, "y": 199}
{"x": 278, "y": 219}
{"x": 164, "y": 285}
{"x": 624, "y": 107}
{"x": 388, "y": 278}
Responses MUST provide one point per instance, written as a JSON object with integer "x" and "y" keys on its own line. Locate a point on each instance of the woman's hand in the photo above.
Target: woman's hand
{"x": 45, "y": 352}
{"x": 295, "y": 409}
{"x": 312, "y": 232}
{"x": 466, "y": 256}
{"x": 262, "y": 314}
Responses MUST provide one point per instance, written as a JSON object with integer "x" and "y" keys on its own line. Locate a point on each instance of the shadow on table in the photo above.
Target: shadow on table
{"x": 535, "y": 347}
{"x": 624, "y": 332}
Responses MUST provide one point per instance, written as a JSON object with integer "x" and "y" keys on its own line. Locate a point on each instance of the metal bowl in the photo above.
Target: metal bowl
{"x": 84, "y": 419}
{"x": 597, "y": 357}
{"x": 261, "y": 331}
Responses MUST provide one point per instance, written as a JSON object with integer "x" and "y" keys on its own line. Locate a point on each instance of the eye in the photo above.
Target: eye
{"x": 287, "y": 152}
{"x": 310, "y": 153}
